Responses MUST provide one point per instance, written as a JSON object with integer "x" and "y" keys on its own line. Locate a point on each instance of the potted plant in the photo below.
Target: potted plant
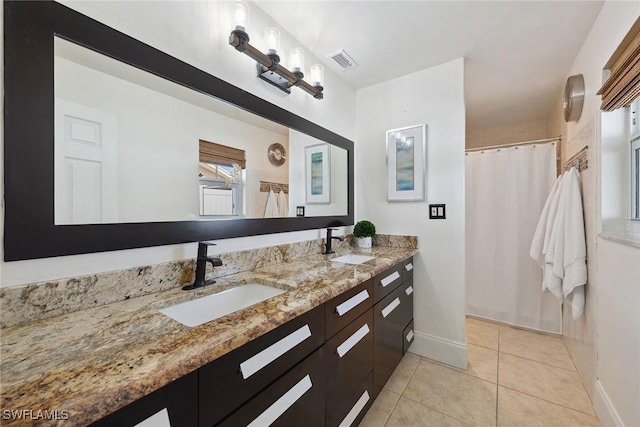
{"x": 363, "y": 231}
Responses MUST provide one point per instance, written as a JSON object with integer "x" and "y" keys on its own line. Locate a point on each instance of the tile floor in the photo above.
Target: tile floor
{"x": 514, "y": 378}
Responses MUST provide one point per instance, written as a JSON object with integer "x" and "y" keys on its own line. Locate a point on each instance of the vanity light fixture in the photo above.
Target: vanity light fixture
{"x": 268, "y": 64}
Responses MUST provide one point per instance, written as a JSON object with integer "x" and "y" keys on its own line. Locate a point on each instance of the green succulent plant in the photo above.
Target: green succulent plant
{"x": 364, "y": 228}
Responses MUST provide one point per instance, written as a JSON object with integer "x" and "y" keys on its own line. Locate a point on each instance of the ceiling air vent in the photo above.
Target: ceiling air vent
{"x": 343, "y": 59}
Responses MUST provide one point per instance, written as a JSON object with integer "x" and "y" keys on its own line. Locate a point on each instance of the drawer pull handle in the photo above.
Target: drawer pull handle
{"x": 392, "y": 306}
{"x": 409, "y": 290}
{"x": 389, "y": 279}
{"x": 281, "y": 405}
{"x": 160, "y": 418}
{"x": 357, "y": 408}
{"x": 352, "y": 302}
{"x": 408, "y": 267}
{"x": 354, "y": 339}
{"x": 410, "y": 336}
{"x": 275, "y": 350}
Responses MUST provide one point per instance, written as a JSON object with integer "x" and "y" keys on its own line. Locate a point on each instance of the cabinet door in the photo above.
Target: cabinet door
{"x": 386, "y": 282}
{"x": 348, "y": 362}
{"x": 175, "y": 404}
{"x": 388, "y": 323}
{"x": 297, "y": 398}
{"x": 346, "y": 307}
{"x": 407, "y": 269}
{"x": 228, "y": 382}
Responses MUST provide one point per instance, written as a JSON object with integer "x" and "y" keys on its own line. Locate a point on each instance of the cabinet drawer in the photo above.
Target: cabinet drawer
{"x": 297, "y": 398}
{"x": 343, "y": 309}
{"x": 248, "y": 369}
{"x": 386, "y": 282}
{"x": 407, "y": 269}
{"x": 175, "y": 403}
{"x": 408, "y": 335}
{"x": 348, "y": 362}
{"x": 354, "y": 405}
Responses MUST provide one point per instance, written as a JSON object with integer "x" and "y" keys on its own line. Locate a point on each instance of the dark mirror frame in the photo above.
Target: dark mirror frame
{"x": 29, "y": 230}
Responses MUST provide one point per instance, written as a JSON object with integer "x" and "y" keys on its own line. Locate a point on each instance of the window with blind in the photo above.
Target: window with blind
{"x": 221, "y": 179}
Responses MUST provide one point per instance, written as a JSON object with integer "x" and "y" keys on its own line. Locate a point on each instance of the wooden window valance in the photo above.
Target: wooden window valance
{"x": 210, "y": 152}
{"x": 623, "y": 84}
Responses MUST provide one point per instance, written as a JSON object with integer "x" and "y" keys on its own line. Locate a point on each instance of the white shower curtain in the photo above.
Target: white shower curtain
{"x": 505, "y": 192}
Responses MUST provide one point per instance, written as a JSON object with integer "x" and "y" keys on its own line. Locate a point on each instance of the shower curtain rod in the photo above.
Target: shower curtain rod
{"x": 515, "y": 144}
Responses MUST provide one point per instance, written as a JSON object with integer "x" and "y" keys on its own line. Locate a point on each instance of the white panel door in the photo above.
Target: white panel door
{"x": 86, "y": 165}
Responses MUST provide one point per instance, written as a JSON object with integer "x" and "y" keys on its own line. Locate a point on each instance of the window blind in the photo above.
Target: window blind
{"x": 210, "y": 152}
{"x": 623, "y": 84}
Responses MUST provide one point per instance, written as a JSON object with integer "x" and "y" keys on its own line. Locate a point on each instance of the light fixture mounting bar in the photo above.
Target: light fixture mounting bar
{"x": 267, "y": 67}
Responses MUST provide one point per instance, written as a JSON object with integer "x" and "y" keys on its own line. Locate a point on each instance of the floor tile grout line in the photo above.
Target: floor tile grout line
{"x": 392, "y": 409}
{"x": 548, "y": 401}
{"x": 432, "y": 409}
{"x": 539, "y": 361}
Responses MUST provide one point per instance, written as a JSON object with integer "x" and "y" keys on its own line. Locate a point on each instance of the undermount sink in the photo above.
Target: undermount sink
{"x": 353, "y": 259}
{"x": 206, "y": 309}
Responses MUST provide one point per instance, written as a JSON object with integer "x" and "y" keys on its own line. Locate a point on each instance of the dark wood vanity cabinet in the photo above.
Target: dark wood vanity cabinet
{"x": 179, "y": 399}
{"x": 296, "y": 398}
{"x": 392, "y": 316}
{"x": 349, "y": 367}
{"x": 230, "y": 381}
{"x": 322, "y": 368}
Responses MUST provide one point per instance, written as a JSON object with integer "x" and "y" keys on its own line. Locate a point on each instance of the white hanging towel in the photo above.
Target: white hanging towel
{"x": 283, "y": 205}
{"x": 271, "y": 210}
{"x": 553, "y": 245}
{"x": 575, "y": 249}
{"x": 541, "y": 237}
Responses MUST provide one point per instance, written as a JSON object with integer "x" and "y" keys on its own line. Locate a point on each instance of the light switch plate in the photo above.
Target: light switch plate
{"x": 437, "y": 211}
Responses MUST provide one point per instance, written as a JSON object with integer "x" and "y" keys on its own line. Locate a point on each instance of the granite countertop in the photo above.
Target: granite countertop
{"x": 95, "y": 361}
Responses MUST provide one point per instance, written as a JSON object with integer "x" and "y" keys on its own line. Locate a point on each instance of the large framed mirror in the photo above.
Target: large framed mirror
{"x": 111, "y": 144}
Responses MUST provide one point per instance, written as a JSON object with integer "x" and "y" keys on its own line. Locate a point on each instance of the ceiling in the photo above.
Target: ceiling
{"x": 517, "y": 53}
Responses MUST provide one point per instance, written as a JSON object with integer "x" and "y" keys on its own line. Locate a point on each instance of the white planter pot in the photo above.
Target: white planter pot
{"x": 363, "y": 242}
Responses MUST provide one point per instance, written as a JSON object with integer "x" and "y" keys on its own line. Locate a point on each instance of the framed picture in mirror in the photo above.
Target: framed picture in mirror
{"x": 318, "y": 173}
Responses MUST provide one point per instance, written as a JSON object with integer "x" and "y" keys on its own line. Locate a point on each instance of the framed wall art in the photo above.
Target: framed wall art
{"x": 406, "y": 164}
{"x": 318, "y": 173}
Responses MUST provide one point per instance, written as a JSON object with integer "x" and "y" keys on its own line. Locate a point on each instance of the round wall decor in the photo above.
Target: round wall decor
{"x": 277, "y": 154}
{"x": 573, "y": 98}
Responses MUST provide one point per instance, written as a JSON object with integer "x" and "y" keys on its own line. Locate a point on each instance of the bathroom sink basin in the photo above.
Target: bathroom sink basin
{"x": 206, "y": 309}
{"x": 353, "y": 259}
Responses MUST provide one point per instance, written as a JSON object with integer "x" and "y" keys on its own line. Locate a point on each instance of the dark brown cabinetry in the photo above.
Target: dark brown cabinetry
{"x": 296, "y": 398}
{"x": 228, "y": 382}
{"x": 392, "y": 315}
{"x": 323, "y": 368}
{"x": 179, "y": 399}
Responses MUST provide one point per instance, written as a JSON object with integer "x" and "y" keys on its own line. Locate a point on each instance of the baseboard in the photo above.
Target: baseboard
{"x": 606, "y": 412}
{"x": 440, "y": 349}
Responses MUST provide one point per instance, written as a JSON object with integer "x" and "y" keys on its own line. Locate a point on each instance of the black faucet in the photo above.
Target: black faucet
{"x": 201, "y": 267}
{"x": 327, "y": 246}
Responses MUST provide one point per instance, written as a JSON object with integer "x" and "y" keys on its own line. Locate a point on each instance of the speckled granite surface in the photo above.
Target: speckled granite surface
{"x": 42, "y": 300}
{"x": 95, "y": 361}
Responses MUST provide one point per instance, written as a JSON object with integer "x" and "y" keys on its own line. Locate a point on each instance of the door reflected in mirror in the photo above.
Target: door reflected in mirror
{"x": 128, "y": 148}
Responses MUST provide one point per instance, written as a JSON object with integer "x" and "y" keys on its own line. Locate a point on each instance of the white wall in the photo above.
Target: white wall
{"x": 197, "y": 33}
{"x": 604, "y": 343}
{"x": 617, "y": 391}
{"x": 435, "y": 97}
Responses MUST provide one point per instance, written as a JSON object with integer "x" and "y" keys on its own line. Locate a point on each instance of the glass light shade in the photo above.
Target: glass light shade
{"x": 317, "y": 75}
{"x": 241, "y": 15}
{"x": 272, "y": 38}
{"x": 296, "y": 59}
